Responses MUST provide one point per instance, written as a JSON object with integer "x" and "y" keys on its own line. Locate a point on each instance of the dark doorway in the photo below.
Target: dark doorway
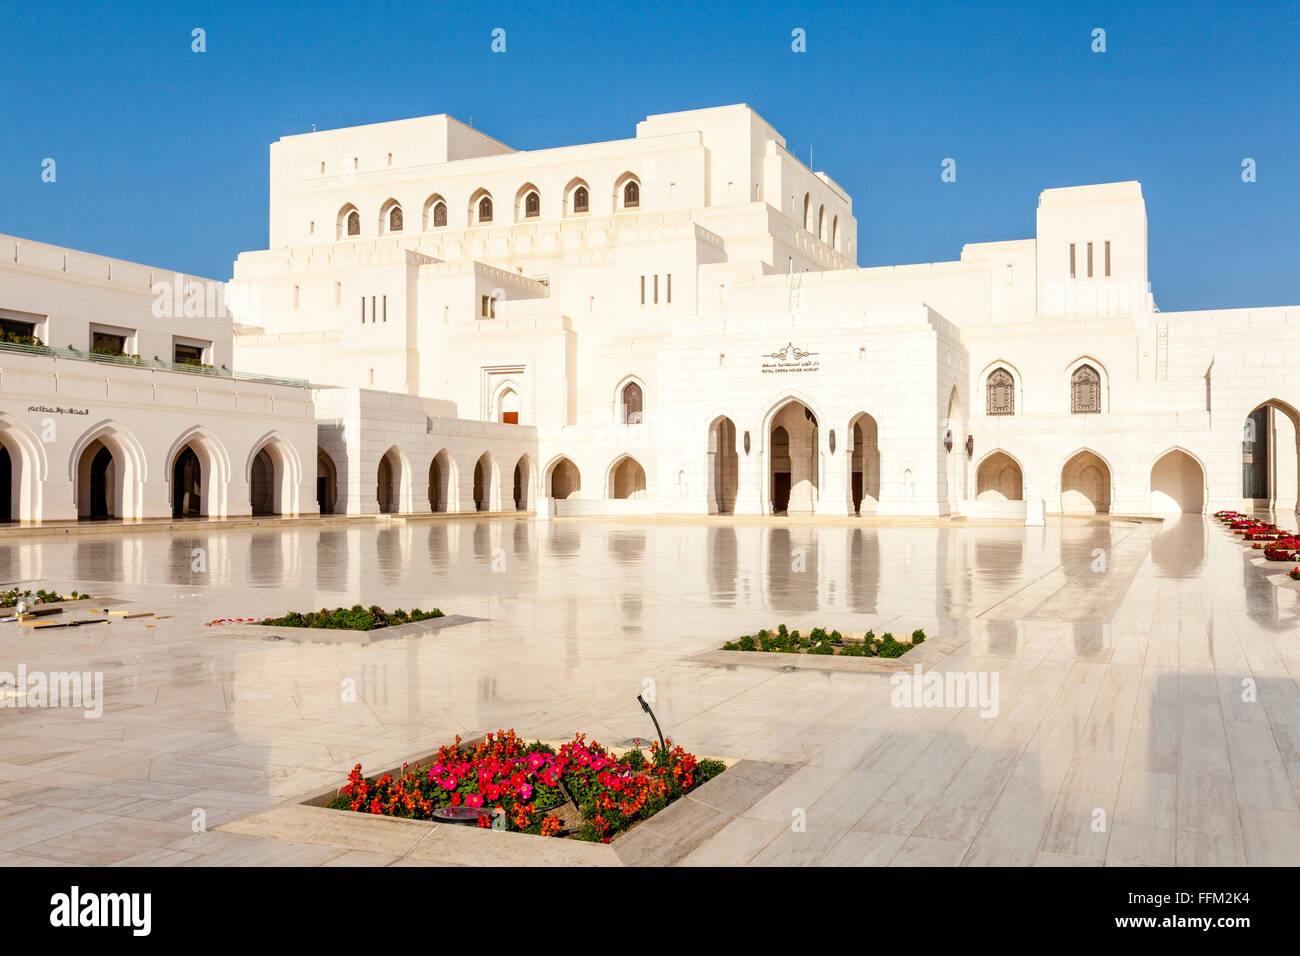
{"x": 99, "y": 466}
{"x": 519, "y": 489}
{"x": 781, "y": 492}
{"x": 187, "y": 477}
{"x": 263, "y": 484}
{"x": 6, "y": 485}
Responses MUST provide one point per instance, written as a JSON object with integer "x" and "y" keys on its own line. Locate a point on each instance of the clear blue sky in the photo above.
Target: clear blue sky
{"x": 162, "y": 153}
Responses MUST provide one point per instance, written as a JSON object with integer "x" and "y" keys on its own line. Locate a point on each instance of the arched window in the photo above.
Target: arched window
{"x": 631, "y": 195}
{"x": 835, "y": 232}
{"x": 1000, "y": 393}
{"x": 581, "y": 199}
{"x": 807, "y": 211}
{"x": 630, "y": 404}
{"x": 485, "y": 209}
{"x": 1085, "y": 391}
{"x": 439, "y": 215}
{"x": 354, "y": 223}
{"x": 532, "y": 205}
{"x": 395, "y": 219}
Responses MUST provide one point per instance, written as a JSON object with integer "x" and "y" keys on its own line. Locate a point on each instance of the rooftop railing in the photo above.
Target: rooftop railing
{"x": 135, "y": 361}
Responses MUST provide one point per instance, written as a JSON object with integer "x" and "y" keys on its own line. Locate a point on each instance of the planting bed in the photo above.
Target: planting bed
{"x": 579, "y": 790}
{"x": 355, "y": 618}
{"x": 823, "y": 642}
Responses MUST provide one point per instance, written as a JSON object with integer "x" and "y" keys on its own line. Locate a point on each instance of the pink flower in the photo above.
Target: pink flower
{"x": 524, "y": 791}
{"x": 474, "y": 800}
{"x": 449, "y": 783}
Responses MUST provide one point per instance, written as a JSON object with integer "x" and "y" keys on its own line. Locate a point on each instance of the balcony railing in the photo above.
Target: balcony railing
{"x": 189, "y": 368}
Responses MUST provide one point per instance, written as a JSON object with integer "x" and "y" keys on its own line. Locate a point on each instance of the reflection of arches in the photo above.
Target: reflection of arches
{"x": 484, "y": 482}
{"x": 565, "y": 480}
{"x": 864, "y": 464}
{"x": 274, "y": 474}
{"x": 202, "y": 490}
{"x": 444, "y": 489}
{"x": 391, "y": 482}
{"x": 523, "y": 483}
{"x": 109, "y": 485}
{"x": 1177, "y": 484}
{"x": 327, "y": 482}
{"x": 626, "y": 479}
{"x": 999, "y": 478}
{"x": 793, "y": 457}
{"x": 1271, "y": 455}
{"x": 1085, "y": 484}
{"x": 723, "y": 466}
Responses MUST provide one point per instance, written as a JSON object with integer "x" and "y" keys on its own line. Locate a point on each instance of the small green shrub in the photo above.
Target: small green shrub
{"x": 355, "y": 618}
{"x": 918, "y": 636}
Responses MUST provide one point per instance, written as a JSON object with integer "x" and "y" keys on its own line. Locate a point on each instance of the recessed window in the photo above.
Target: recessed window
{"x": 532, "y": 206}
{"x": 581, "y": 199}
{"x": 183, "y": 354}
{"x": 354, "y": 223}
{"x": 643, "y": 290}
{"x": 107, "y": 343}
{"x": 1000, "y": 393}
{"x": 668, "y": 291}
{"x": 1085, "y": 391}
{"x": 485, "y": 209}
{"x": 631, "y": 195}
{"x": 1090, "y": 260}
{"x": 1071, "y": 260}
{"x": 395, "y": 219}
{"x": 1107, "y": 258}
{"x": 630, "y": 404}
{"x": 439, "y": 215}
{"x": 488, "y": 308}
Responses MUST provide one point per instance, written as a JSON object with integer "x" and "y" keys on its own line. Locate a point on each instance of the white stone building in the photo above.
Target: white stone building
{"x": 675, "y": 323}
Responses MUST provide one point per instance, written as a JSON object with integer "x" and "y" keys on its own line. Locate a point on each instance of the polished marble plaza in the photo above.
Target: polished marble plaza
{"x": 1121, "y": 648}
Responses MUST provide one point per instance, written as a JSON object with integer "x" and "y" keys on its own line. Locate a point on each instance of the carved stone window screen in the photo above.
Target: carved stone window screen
{"x": 1001, "y": 393}
{"x": 1085, "y": 391}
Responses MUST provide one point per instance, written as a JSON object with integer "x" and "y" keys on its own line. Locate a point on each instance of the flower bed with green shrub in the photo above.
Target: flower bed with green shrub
{"x": 820, "y": 641}
{"x": 354, "y": 618}
{"x": 528, "y": 786}
{"x": 13, "y": 596}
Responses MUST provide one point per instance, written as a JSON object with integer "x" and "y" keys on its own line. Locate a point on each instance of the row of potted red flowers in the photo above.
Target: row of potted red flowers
{"x": 502, "y": 776}
{"x": 1277, "y": 545}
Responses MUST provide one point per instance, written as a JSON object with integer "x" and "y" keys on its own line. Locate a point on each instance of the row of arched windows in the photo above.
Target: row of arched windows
{"x": 1085, "y": 391}
{"x": 480, "y": 212}
{"x": 827, "y": 232}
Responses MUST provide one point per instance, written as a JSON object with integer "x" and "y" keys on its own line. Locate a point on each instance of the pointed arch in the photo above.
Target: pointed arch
{"x": 487, "y": 484}
{"x": 391, "y": 218}
{"x": 444, "y": 483}
{"x": 28, "y": 468}
{"x": 1085, "y": 481}
{"x": 327, "y": 482}
{"x": 792, "y": 470}
{"x": 625, "y": 478}
{"x": 523, "y": 483}
{"x": 863, "y": 460}
{"x": 393, "y": 482}
{"x": 480, "y": 211}
{"x": 577, "y": 197}
{"x": 563, "y": 479}
{"x": 435, "y": 213}
{"x": 999, "y": 476}
{"x": 123, "y": 496}
{"x": 722, "y": 466}
{"x": 528, "y": 202}
{"x": 627, "y": 192}
{"x": 278, "y": 491}
{"x": 207, "y": 496}
{"x": 1177, "y": 482}
{"x": 348, "y": 225}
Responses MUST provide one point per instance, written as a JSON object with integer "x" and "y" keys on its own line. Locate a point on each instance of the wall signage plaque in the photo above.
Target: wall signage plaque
{"x": 790, "y": 359}
{"x": 59, "y": 410}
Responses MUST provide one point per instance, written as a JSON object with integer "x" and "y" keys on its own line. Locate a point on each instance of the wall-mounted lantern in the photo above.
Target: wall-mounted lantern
{"x": 970, "y": 445}
{"x": 832, "y": 441}
{"x": 746, "y": 443}
{"x": 947, "y": 440}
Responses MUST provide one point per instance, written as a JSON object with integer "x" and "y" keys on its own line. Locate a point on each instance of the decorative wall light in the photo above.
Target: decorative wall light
{"x": 947, "y": 440}
{"x": 832, "y": 441}
{"x": 746, "y": 443}
{"x": 970, "y": 445}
